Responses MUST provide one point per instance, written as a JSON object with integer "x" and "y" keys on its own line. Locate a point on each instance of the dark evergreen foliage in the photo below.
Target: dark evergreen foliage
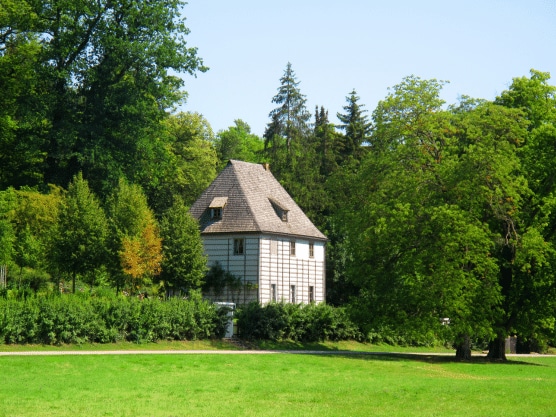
{"x": 356, "y": 126}
{"x": 291, "y": 118}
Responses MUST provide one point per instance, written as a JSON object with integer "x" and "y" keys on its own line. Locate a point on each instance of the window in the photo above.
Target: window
{"x": 280, "y": 210}
{"x": 311, "y": 294}
{"x": 239, "y": 246}
{"x": 292, "y": 248}
{"x": 216, "y": 213}
{"x": 216, "y": 206}
{"x": 311, "y": 250}
{"x": 292, "y": 291}
{"x": 273, "y": 292}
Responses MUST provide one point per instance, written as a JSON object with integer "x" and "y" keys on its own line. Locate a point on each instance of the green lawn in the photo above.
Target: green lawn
{"x": 224, "y": 344}
{"x": 162, "y": 345}
{"x": 274, "y": 385}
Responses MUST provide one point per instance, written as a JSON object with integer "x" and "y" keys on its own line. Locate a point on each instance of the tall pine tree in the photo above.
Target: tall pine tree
{"x": 356, "y": 126}
{"x": 290, "y": 119}
{"x": 326, "y": 141}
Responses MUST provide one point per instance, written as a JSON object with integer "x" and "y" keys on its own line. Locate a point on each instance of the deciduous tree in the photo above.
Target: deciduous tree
{"x": 190, "y": 165}
{"x": 237, "y": 142}
{"x": 94, "y": 80}
{"x": 434, "y": 220}
{"x": 79, "y": 246}
{"x": 185, "y": 264}
{"x": 141, "y": 257}
{"x": 134, "y": 241}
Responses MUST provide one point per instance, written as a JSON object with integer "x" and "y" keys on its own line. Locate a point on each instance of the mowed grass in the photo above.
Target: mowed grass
{"x": 281, "y": 384}
{"x": 224, "y": 344}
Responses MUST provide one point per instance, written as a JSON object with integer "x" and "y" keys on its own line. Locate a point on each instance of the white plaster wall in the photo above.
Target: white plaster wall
{"x": 267, "y": 261}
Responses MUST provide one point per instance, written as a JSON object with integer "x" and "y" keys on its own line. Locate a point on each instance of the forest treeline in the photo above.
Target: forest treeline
{"x": 441, "y": 217}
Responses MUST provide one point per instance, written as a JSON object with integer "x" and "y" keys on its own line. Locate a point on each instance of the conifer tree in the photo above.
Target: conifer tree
{"x": 290, "y": 119}
{"x": 327, "y": 142}
{"x": 356, "y": 126}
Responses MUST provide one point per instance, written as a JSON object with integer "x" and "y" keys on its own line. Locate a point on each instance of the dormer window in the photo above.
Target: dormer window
{"x": 216, "y": 207}
{"x": 216, "y": 213}
{"x": 281, "y": 211}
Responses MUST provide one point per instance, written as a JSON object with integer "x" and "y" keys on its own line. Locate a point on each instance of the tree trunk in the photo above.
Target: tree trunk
{"x": 497, "y": 349}
{"x": 3, "y": 276}
{"x": 463, "y": 349}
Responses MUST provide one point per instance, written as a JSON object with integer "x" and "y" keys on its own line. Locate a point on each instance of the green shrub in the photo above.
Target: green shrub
{"x": 79, "y": 319}
{"x": 18, "y": 321}
{"x": 297, "y": 322}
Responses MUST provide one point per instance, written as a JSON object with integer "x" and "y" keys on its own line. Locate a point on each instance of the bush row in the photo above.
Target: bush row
{"x": 73, "y": 319}
{"x": 297, "y": 322}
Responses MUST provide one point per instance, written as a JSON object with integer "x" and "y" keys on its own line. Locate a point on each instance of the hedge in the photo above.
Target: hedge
{"x": 297, "y": 322}
{"x": 73, "y": 319}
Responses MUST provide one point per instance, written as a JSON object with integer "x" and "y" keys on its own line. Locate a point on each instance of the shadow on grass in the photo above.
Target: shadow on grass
{"x": 316, "y": 348}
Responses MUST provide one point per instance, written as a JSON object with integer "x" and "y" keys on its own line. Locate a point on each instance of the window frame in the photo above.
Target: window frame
{"x": 292, "y": 248}
{"x": 293, "y": 295}
{"x": 311, "y": 250}
{"x": 273, "y": 293}
{"x": 239, "y": 246}
{"x": 216, "y": 213}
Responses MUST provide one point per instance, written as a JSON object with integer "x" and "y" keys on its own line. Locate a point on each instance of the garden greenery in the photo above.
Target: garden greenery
{"x": 297, "y": 322}
{"x": 88, "y": 319}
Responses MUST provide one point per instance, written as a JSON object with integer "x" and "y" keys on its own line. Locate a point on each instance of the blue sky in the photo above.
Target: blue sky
{"x": 335, "y": 46}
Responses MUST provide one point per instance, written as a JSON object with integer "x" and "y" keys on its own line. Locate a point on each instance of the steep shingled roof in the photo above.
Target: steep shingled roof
{"x": 255, "y": 203}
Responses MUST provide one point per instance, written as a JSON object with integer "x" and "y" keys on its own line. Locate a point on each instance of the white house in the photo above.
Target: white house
{"x": 252, "y": 227}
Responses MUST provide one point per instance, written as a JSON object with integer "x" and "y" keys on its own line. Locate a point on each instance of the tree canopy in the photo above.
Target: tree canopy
{"x": 441, "y": 217}
{"x": 80, "y": 242}
{"x": 185, "y": 264}
{"x": 88, "y": 83}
